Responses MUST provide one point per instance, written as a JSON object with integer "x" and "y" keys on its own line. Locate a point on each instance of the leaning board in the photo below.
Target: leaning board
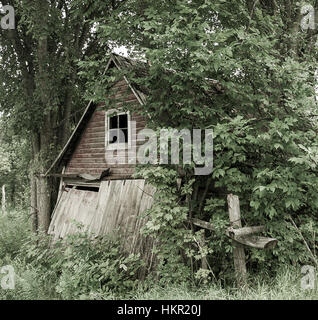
{"x": 118, "y": 205}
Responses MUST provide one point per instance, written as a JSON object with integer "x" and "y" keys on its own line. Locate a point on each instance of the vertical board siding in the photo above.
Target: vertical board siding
{"x": 117, "y": 207}
{"x": 90, "y": 155}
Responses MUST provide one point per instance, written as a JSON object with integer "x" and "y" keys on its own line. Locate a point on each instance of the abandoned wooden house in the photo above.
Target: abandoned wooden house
{"x": 102, "y": 195}
{"x": 95, "y": 192}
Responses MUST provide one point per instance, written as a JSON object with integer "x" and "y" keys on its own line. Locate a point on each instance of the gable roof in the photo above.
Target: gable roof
{"x": 121, "y": 63}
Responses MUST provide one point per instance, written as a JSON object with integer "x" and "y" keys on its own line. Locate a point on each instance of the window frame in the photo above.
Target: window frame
{"x": 117, "y": 145}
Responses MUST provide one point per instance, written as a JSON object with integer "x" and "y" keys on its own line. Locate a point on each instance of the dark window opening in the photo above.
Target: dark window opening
{"x": 84, "y": 188}
{"x": 123, "y": 121}
{"x": 118, "y": 129}
{"x": 113, "y": 122}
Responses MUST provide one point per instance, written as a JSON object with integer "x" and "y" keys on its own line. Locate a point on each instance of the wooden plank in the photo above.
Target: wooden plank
{"x": 97, "y": 163}
{"x": 89, "y": 165}
{"x": 138, "y": 117}
{"x": 65, "y": 175}
{"x": 59, "y": 208}
{"x": 256, "y": 241}
{"x": 92, "y": 145}
{"x": 95, "y": 123}
{"x": 96, "y": 120}
{"x": 120, "y": 104}
{"x": 126, "y": 205}
{"x": 96, "y": 139}
{"x": 108, "y": 202}
{"x": 71, "y": 211}
{"x": 87, "y": 209}
{"x": 126, "y": 170}
{"x": 59, "y": 214}
{"x": 92, "y": 165}
{"x": 135, "y": 221}
{"x": 101, "y": 207}
{"x": 140, "y": 242}
{"x": 83, "y": 170}
{"x": 124, "y": 96}
{"x": 88, "y": 150}
{"x": 114, "y": 171}
{"x": 76, "y": 159}
{"x": 95, "y": 130}
{"x": 202, "y": 224}
{"x": 242, "y": 235}
{"x": 61, "y": 185}
{"x": 62, "y": 220}
{"x": 81, "y": 183}
{"x": 85, "y": 155}
{"x": 244, "y": 231}
{"x": 139, "y": 220}
{"x": 123, "y": 171}
{"x": 97, "y": 153}
{"x": 92, "y": 135}
{"x": 113, "y": 206}
{"x": 99, "y": 115}
{"x": 238, "y": 249}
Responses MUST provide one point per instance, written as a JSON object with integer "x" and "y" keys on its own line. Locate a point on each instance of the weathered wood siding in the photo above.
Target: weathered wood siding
{"x": 118, "y": 206}
{"x": 90, "y": 155}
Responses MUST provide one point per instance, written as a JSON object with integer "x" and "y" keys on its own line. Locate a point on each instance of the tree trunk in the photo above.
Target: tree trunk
{"x": 12, "y": 196}
{"x": 44, "y": 204}
{"x": 45, "y": 134}
{"x": 34, "y": 206}
{"x": 3, "y": 203}
{"x": 40, "y": 186}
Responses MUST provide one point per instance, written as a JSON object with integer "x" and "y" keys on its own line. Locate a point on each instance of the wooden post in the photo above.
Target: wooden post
{"x": 204, "y": 262}
{"x": 3, "y": 202}
{"x": 238, "y": 249}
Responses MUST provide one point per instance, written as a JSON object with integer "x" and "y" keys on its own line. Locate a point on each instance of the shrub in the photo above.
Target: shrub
{"x": 79, "y": 267}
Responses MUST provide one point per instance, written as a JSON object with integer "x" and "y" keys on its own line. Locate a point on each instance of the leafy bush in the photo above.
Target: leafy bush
{"x": 80, "y": 267}
{"x": 77, "y": 267}
{"x": 14, "y": 229}
{"x": 261, "y": 106}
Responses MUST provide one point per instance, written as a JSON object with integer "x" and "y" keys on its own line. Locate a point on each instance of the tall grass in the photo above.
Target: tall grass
{"x": 81, "y": 270}
{"x": 285, "y": 286}
{"x": 15, "y": 231}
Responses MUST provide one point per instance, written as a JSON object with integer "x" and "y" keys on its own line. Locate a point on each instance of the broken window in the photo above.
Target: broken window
{"x": 117, "y": 130}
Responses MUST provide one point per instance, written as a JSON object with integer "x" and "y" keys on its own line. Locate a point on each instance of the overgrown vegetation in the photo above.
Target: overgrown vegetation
{"x": 246, "y": 70}
{"x": 82, "y": 269}
{"x": 77, "y": 268}
{"x": 240, "y": 67}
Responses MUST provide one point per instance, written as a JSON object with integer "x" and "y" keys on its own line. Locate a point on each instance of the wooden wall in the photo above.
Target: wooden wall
{"x": 90, "y": 155}
{"x": 116, "y": 208}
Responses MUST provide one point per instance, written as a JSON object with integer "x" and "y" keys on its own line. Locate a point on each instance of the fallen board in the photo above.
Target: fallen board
{"x": 117, "y": 206}
{"x": 242, "y": 235}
